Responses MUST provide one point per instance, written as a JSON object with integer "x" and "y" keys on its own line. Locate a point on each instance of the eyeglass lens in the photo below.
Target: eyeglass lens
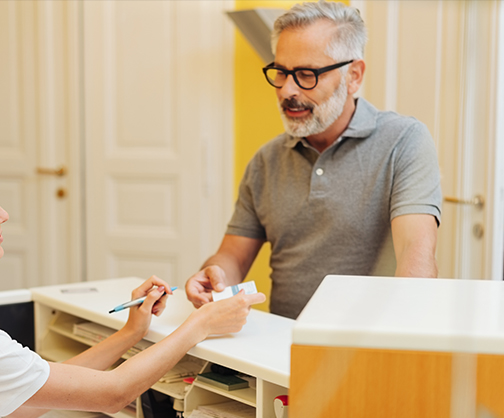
{"x": 304, "y": 78}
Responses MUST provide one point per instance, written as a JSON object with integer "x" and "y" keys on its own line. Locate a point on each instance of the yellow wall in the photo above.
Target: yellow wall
{"x": 256, "y": 120}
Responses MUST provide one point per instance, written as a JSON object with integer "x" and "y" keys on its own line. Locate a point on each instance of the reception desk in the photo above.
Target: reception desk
{"x": 393, "y": 348}
{"x": 260, "y": 350}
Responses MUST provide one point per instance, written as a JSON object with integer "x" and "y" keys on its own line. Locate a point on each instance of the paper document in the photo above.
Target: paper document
{"x": 229, "y": 409}
{"x": 96, "y": 333}
{"x": 181, "y": 370}
{"x": 230, "y": 291}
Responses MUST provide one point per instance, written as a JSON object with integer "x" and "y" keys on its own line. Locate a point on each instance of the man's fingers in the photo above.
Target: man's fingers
{"x": 216, "y": 277}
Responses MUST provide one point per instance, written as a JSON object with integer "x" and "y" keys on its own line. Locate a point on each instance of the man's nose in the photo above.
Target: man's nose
{"x": 290, "y": 88}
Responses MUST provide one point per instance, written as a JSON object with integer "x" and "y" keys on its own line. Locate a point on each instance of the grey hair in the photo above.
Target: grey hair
{"x": 350, "y": 35}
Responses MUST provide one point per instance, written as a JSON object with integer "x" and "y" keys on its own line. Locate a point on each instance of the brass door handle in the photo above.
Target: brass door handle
{"x": 61, "y": 171}
{"x": 477, "y": 201}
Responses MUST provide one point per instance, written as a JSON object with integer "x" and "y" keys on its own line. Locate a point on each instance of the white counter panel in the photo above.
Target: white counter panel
{"x": 405, "y": 313}
{"x": 261, "y": 348}
{"x": 9, "y": 297}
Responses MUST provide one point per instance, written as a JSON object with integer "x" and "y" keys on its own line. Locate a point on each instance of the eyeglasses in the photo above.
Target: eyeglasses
{"x": 306, "y": 78}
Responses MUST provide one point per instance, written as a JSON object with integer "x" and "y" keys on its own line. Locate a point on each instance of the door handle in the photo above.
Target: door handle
{"x": 477, "y": 201}
{"x": 60, "y": 171}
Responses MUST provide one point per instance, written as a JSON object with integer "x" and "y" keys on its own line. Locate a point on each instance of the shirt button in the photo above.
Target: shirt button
{"x": 319, "y": 171}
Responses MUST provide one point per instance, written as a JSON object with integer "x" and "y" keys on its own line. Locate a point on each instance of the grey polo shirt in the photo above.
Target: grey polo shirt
{"x": 330, "y": 213}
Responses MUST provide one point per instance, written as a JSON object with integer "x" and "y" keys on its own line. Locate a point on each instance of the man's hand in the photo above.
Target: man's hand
{"x": 227, "y": 267}
{"x": 199, "y": 287}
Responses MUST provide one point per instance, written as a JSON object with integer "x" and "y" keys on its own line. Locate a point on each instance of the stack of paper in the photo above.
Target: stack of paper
{"x": 137, "y": 348}
{"x": 180, "y": 371}
{"x": 96, "y": 333}
{"x": 92, "y": 331}
{"x": 229, "y": 409}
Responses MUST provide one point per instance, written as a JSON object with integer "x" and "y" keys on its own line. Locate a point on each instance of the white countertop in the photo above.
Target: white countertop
{"x": 449, "y": 315}
{"x": 8, "y": 297}
{"x": 261, "y": 348}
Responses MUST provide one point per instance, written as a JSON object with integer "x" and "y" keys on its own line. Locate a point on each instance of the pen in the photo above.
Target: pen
{"x": 135, "y": 302}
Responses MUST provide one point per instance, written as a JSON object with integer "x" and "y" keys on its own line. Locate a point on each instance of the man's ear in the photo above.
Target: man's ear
{"x": 355, "y": 75}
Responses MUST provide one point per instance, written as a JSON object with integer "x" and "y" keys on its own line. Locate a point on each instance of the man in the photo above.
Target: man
{"x": 30, "y": 385}
{"x": 344, "y": 189}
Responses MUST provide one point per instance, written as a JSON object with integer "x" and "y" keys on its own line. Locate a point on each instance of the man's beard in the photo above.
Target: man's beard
{"x": 322, "y": 116}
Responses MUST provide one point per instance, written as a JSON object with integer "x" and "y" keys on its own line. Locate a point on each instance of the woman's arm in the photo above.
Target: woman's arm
{"x": 71, "y": 386}
{"x": 107, "y": 352}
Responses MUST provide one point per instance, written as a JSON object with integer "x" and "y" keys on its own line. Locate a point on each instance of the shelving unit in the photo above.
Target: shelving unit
{"x": 246, "y": 396}
{"x": 260, "y": 350}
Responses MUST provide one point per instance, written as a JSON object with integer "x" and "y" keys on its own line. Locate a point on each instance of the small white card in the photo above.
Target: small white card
{"x": 230, "y": 291}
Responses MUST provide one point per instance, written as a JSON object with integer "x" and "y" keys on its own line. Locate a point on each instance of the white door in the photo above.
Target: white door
{"x": 135, "y": 99}
{"x": 439, "y": 61}
{"x": 39, "y": 130}
{"x": 158, "y": 93}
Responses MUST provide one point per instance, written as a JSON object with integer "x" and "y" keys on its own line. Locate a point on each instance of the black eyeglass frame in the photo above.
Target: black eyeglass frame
{"x": 316, "y": 71}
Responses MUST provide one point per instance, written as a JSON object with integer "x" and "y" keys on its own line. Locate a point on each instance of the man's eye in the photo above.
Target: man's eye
{"x": 305, "y": 75}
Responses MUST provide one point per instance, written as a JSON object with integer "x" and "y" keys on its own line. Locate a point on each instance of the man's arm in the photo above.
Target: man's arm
{"x": 227, "y": 267}
{"x": 415, "y": 239}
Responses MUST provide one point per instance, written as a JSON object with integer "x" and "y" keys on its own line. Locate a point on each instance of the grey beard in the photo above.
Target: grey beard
{"x": 323, "y": 115}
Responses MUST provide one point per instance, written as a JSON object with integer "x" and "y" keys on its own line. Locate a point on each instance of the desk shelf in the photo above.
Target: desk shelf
{"x": 246, "y": 396}
{"x": 56, "y": 314}
{"x": 57, "y": 342}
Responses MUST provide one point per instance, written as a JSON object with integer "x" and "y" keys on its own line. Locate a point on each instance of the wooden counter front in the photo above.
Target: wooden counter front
{"x": 415, "y": 348}
{"x": 364, "y": 383}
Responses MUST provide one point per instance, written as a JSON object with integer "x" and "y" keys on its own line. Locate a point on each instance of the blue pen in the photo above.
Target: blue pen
{"x": 135, "y": 302}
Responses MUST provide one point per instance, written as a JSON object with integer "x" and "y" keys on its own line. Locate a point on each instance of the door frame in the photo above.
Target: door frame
{"x": 497, "y": 243}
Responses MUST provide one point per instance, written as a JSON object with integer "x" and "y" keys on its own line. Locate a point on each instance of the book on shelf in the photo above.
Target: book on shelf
{"x": 225, "y": 382}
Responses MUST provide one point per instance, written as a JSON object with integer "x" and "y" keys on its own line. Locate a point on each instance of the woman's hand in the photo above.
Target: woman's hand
{"x": 224, "y": 316}
{"x": 140, "y": 316}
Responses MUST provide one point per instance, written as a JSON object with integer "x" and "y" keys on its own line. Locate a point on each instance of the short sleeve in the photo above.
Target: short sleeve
{"x": 22, "y": 374}
{"x": 416, "y": 185}
{"x": 245, "y": 221}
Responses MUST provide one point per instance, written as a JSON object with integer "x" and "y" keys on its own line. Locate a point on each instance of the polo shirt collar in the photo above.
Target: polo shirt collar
{"x": 363, "y": 121}
{"x": 362, "y": 124}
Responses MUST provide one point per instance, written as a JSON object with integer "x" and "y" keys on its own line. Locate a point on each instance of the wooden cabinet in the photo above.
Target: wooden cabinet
{"x": 399, "y": 347}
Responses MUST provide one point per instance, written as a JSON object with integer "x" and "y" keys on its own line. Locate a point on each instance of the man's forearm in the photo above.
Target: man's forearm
{"x": 415, "y": 238}
{"x": 414, "y": 262}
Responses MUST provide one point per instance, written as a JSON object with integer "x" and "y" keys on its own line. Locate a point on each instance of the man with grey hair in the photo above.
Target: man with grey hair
{"x": 346, "y": 190}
